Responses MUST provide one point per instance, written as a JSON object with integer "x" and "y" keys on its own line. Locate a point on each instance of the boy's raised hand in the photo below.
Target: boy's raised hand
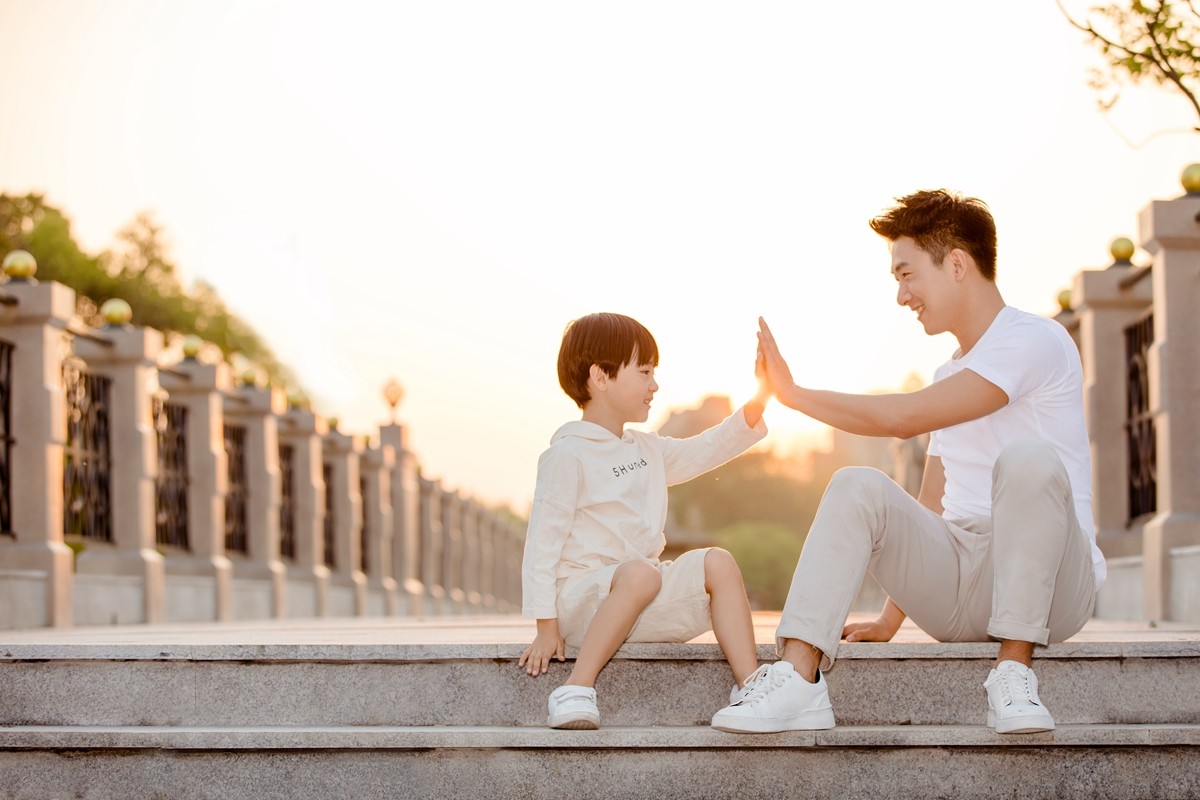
{"x": 546, "y": 645}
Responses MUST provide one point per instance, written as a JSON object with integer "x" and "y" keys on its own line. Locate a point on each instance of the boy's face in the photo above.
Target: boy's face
{"x": 630, "y": 392}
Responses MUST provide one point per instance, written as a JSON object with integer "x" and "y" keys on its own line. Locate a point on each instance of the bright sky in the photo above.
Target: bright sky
{"x": 431, "y": 190}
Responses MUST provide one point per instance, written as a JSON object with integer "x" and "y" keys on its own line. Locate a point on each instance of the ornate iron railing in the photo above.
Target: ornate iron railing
{"x": 87, "y": 457}
{"x": 364, "y": 558}
{"x": 171, "y": 488}
{"x": 1139, "y": 421}
{"x": 330, "y": 554}
{"x": 287, "y": 508}
{"x": 6, "y": 437}
{"x": 236, "y": 539}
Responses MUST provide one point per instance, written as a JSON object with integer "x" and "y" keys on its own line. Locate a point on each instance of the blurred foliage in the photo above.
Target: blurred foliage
{"x": 1155, "y": 41}
{"x": 759, "y": 509}
{"x": 767, "y": 552}
{"x": 138, "y": 270}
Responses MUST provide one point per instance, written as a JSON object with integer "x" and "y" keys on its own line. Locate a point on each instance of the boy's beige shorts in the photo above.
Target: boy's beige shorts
{"x": 677, "y": 614}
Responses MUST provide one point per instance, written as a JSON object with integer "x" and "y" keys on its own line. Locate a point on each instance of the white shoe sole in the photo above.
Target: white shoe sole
{"x": 1026, "y": 724}
{"x": 575, "y": 722}
{"x": 814, "y": 720}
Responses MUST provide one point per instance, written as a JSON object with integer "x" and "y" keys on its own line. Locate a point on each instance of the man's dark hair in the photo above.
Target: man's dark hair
{"x": 939, "y": 221}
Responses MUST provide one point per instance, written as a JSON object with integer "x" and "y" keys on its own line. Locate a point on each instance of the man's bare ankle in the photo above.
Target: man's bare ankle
{"x": 804, "y": 657}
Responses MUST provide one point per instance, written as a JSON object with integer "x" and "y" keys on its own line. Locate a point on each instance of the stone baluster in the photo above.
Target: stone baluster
{"x": 259, "y": 576}
{"x": 376, "y": 466}
{"x": 406, "y": 521}
{"x": 472, "y": 554}
{"x": 125, "y": 580}
{"x": 199, "y": 578}
{"x": 348, "y": 584}
{"x": 1170, "y": 233}
{"x": 453, "y": 551}
{"x": 1105, "y": 303}
{"x": 308, "y": 574}
{"x": 35, "y": 562}
{"x": 432, "y": 546}
{"x": 485, "y": 525}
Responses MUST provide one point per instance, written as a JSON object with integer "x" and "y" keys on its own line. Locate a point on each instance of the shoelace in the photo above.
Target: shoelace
{"x": 751, "y": 683}
{"x": 764, "y": 685}
{"x": 1015, "y": 688}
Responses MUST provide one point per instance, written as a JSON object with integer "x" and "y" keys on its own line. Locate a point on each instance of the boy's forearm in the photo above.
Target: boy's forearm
{"x": 547, "y": 626}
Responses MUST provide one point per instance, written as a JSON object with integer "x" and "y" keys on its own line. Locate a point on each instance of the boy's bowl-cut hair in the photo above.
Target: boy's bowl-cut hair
{"x": 607, "y": 340}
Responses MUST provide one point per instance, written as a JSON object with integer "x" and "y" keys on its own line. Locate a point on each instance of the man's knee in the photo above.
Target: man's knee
{"x": 1030, "y": 461}
{"x": 857, "y": 482}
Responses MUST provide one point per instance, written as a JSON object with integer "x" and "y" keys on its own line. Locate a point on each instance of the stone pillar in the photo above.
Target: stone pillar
{"x": 376, "y": 478}
{"x": 406, "y": 521}
{"x": 468, "y": 521}
{"x": 128, "y": 356}
{"x": 1105, "y": 303}
{"x": 36, "y": 564}
{"x": 514, "y": 551}
{"x": 260, "y": 578}
{"x": 1170, "y": 232}
{"x": 485, "y": 525}
{"x": 453, "y": 552}
{"x": 348, "y": 584}
{"x": 204, "y": 568}
{"x": 307, "y": 574}
{"x": 432, "y": 540}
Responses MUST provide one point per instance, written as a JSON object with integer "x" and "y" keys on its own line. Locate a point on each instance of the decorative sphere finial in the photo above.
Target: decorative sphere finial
{"x": 393, "y": 393}
{"x": 192, "y": 345}
{"x": 1064, "y": 299}
{"x": 20, "y": 265}
{"x": 250, "y": 376}
{"x": 1121, "y": 249}
{"x": 116, "y": 311}
{"x": 1190, "y": 179}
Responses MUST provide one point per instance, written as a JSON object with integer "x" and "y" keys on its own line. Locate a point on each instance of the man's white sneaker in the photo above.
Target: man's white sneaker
{"x": 574, "y": 707}
{"x": 780, "y": 700}
{"x": 1013, "y": 702}
{"x": 740, "y": 693}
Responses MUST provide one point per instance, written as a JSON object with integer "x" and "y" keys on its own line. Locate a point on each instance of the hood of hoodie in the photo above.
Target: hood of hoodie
{"x": 581, "y": 429}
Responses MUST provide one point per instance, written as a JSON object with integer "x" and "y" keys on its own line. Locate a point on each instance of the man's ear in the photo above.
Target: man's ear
{"x": 958, "y": 263}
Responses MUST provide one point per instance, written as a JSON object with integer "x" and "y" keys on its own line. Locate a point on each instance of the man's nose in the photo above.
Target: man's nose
{"x": 902, "y": 295}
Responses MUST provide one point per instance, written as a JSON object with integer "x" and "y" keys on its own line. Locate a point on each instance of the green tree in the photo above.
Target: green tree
{"x": 138, "y": 270}
{"x": 767, "y": 553}
{"x": 1155, "y": 41}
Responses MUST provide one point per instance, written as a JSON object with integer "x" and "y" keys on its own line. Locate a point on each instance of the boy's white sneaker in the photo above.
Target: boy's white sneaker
{"x": 1013, "y": 702}
{"x": 740, "y": 693}
{"x": 780, "y": 700}
{"x": 574, "y": 708}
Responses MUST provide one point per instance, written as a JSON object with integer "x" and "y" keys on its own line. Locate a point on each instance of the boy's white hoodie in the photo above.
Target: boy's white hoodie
{"x": 602, "y": 500}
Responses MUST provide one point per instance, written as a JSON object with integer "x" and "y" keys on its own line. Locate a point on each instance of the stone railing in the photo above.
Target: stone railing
{"x": 133, "y": 490}
{"x": 1138, "y": 328}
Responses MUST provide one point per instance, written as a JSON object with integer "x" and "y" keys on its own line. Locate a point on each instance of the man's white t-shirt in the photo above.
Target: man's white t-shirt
{"x": 1033, "y": 360}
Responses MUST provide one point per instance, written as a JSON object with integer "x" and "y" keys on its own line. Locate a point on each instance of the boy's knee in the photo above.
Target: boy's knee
{"x": 639, "y": 577}
{"x": 720, "y": 563}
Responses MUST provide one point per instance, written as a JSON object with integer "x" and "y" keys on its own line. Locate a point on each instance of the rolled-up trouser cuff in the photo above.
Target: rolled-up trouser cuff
{"x": 1017, "y": 631}
{"x": 828, "y": 649}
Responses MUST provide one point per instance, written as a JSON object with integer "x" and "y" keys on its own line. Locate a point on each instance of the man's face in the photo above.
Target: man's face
{"x": 923, "y": 286}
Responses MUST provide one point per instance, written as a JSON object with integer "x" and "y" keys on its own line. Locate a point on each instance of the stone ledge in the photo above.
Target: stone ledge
{"x": 642, "y": 738}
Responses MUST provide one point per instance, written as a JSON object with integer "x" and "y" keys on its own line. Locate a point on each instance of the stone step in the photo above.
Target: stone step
{"x": 464, "y": 673}
{"x": 1095, "y": 761}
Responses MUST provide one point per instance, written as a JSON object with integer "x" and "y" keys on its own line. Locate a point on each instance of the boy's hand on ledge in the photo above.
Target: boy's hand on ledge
{"x": 546, "y": 645}
{"x": 874, "y": 631}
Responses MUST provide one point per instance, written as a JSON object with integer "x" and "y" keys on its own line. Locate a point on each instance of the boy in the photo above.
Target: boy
{"x": 591, "y": 575}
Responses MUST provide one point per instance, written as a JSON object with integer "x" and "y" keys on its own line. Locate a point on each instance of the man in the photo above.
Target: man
{"x": 1000, "y": 543}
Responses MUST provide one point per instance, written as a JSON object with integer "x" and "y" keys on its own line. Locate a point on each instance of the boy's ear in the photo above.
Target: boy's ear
{"x": 597, "y": 378}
